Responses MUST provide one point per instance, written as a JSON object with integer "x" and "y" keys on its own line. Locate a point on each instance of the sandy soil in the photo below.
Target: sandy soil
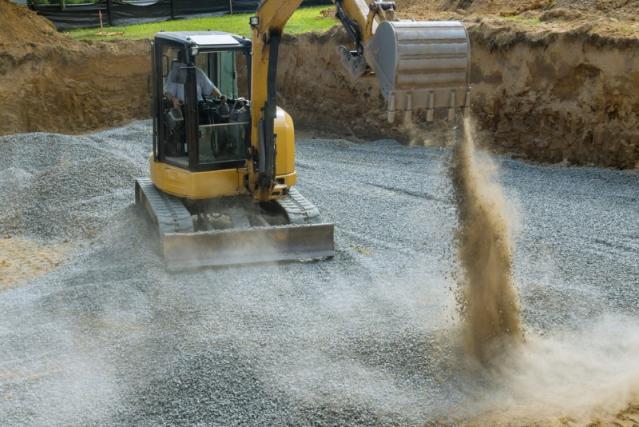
{"x": 23, "y": 259}
{"x": 71, "y": 89}
{"x": 607, "y": 16}
{"x": 19, "y": 25}
{"x": 568, "y": 97}
{"x": 558, "y": 97}
{"x": 49, "y": 82}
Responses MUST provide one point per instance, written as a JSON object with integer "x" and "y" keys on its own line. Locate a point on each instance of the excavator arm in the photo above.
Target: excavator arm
{"x": 267, "y": 27}
{"x": 420, "y": 66}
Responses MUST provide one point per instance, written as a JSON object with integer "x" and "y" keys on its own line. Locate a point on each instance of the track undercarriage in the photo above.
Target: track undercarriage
{"x": 235, "y": 230}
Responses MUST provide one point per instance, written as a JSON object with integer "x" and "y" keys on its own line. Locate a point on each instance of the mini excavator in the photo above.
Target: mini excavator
{"x": 222, "y": 173}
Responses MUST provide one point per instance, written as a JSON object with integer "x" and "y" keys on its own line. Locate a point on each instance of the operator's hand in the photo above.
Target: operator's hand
{"x": 177, "y": 103}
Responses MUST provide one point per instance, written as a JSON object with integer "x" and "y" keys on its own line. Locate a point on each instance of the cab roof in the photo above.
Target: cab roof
{"x": 204, "y": 39}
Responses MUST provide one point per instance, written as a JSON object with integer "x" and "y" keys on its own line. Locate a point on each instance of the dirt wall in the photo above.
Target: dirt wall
{"x": 319, "y": 93}
{"x": 539, "y": 93}
{"x": 551, "y": 97}
{"x": 50, "y": 82}
{"x": 626, "y": 10}
{"x": 558, "y": 97}
{"x": 71, "y": 89}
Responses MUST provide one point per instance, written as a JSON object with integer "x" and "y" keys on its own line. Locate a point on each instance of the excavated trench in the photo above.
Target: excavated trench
{"x": 548, "y": 96}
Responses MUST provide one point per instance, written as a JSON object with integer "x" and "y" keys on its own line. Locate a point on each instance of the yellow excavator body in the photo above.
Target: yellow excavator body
{"x": 183, "y": 183}
{"x": 222, "y": 173}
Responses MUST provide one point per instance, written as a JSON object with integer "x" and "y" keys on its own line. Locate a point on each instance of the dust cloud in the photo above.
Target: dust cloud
{"x": 584, "y": 376}
{"x": 588, "y": 376}
{"x": 488, "y": 299}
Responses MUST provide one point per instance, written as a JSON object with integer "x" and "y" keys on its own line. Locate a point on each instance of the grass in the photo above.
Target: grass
{"x": 57, "y": 2}
{"x": 303, "y": 20}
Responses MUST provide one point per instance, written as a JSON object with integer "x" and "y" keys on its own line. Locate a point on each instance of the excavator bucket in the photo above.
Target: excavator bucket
{"x": 422, "y": 66}
{"x": 305, "y": 238}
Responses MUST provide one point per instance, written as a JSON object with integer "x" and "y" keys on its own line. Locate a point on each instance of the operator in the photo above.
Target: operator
{"x": 174, "y": 84}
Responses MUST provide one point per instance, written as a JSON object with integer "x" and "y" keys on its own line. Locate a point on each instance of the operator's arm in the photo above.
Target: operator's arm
{"x": 206, "y": 85}
{"x": 177, "y": 102}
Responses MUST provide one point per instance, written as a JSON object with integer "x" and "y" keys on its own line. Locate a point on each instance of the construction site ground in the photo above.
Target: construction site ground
{"x": 369, "y": 338}
{"x": 94, "y": 331}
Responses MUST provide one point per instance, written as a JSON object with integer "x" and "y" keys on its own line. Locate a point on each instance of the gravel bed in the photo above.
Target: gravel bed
{"x": 368, "y": 338}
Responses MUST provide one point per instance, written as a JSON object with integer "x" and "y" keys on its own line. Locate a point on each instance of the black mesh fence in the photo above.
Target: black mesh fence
{"x": 114, "y": 12}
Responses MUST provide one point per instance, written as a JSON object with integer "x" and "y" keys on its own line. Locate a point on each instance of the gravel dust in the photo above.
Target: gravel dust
{"x": 488, "y": 296}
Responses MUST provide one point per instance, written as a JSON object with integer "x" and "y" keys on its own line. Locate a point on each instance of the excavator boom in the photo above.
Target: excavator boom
{"x": 420, "y": 65}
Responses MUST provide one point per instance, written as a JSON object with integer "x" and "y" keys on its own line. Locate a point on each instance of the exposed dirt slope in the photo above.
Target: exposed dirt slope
{"x": 314, "y": 86}
{"x": 545, "y": 96}
{"x": 20, "y": 25}
{"x": 51, "y": 82}
{"x": 548, "y": 87}
{"x": 604, "y": 18}
{"x": 621, "y": 10}
{"x": 558, "y": 96}
{"x": 71, "y": 89}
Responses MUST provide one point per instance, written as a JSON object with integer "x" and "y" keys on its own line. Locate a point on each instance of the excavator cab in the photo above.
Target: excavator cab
{"x": 201, "y": 121}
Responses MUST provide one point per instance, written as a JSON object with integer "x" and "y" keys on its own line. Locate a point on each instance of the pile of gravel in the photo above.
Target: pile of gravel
{"x": 57, "y": 187}
{"x": 368, "y": 338}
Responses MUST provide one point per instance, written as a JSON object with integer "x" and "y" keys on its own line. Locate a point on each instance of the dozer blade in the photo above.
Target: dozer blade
{"x": 249, "y": 245}
{"x": 422, "y": 66}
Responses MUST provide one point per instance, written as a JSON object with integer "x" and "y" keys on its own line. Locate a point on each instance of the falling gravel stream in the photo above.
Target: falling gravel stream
{"x": 372, "y": 337}
{"x": 488, "y": 300}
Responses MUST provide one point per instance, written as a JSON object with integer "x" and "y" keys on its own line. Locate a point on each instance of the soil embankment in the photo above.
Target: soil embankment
{"x": 548, "y": 86}
{"x": 73, "y": 88}
{"x": 568, "y": 96}
{"x": 622, "y": 11}
{"x": 545, "y": 96}
{"x": 49, "y": 82}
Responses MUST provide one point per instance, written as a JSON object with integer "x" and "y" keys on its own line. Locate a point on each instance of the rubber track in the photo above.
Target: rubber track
{"x": 299, "y": 209}
{"x": 168, "y": 212}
